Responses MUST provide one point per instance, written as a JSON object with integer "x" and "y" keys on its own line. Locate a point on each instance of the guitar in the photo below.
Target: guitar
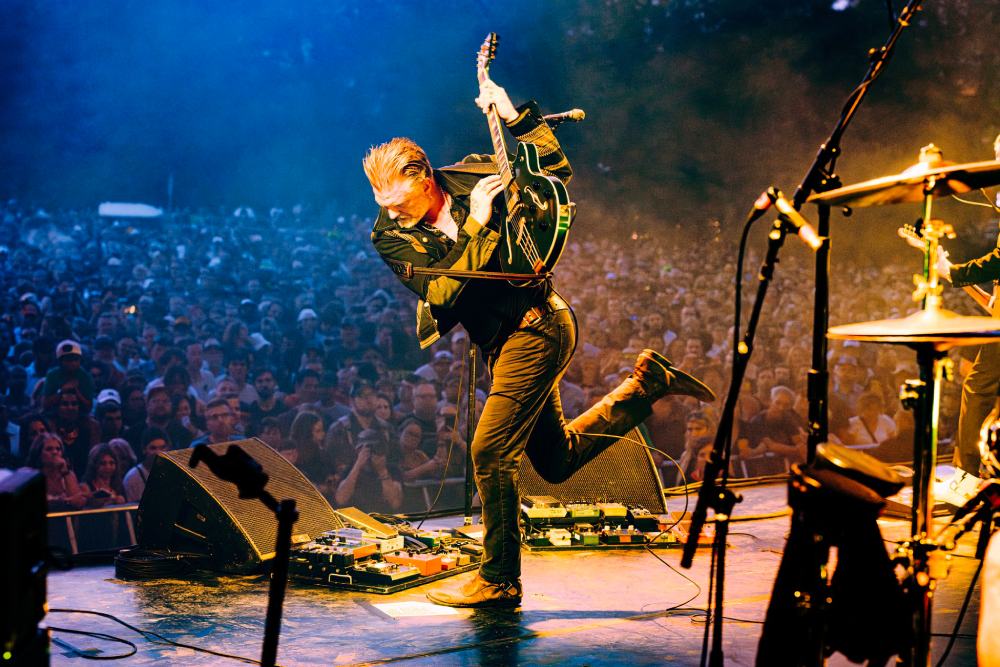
{"x": 915, "y": 240}
{"x": 539, "y": 212}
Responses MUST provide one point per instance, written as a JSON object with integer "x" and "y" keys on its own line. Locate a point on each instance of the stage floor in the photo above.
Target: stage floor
{"x": 589, "y": 608}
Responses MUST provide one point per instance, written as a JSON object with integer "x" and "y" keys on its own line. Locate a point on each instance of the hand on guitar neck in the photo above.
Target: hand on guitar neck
{"x": 943, "y": 264}
{"x": 490, "y": 94}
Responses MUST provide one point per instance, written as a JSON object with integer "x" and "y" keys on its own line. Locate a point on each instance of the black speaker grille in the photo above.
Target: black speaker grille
{"x": 250, "y": 515}
{"x": 622, "y": 473}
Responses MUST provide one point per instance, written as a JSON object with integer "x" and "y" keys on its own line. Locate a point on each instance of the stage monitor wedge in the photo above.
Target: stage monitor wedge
{"x": 190, "y": 511}
{"x": 623, "y": 473}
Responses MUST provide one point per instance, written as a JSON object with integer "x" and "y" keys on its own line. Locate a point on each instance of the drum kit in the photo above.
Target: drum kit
{"x": 930, "y": 332}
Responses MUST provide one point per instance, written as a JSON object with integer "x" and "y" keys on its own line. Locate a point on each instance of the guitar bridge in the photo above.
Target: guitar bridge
{"x": 538, "y": 266}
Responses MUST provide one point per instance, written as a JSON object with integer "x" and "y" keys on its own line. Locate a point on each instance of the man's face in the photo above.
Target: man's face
{"x": 105, "y": 324}
{"x": 70, "y": 362}
{"x": 406, "y": 200}
{"x": 127, "y": 348}
{"x": 220, "y": 420}
{"x": 309, "y": 389}
{"x": 158, "y": 405}
{"x": 264, "y": 384}
{"x": 425, "y": 401}
{"x": 193, "y": 353}
{"x": 69, "y": 407}
{"x": 364, "y": 403}
{"x": 153, "y": 448}
{"x": 780, "y": 404}
{"x": 111, "y": 422}
{"x": 238, "y": 370}
{"x": 213, "y": 355}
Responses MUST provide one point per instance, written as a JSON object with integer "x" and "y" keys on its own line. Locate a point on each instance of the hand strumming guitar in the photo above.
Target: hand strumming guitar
{"x": 481, "y": 198}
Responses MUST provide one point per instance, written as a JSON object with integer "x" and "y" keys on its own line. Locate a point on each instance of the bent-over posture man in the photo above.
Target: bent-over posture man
{"x": 445, "y": 218}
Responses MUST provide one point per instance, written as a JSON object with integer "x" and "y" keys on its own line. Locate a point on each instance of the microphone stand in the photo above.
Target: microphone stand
{"x": 821, "y": 177}
{"x": 470, "y": 432}
{"x": 714, "y": 494}
{"x": 241, "y": 469}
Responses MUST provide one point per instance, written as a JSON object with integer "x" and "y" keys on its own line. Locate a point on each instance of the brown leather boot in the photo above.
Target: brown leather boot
{"x": 477, "y": 592}
{"x": 657, "y": 378}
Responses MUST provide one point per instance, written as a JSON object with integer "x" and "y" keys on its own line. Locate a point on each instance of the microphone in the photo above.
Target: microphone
{"x": 574, "y": 115}
{"x": 760, "y": 206}
{"x": 788, "y": 213}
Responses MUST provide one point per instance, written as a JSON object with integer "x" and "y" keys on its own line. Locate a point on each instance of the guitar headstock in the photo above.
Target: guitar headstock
{"x": 910, "y": 234}
{"x": 487, "y": 52}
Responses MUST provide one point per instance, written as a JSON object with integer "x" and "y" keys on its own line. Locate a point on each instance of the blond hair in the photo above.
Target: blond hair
{"x": 398, "y": 157}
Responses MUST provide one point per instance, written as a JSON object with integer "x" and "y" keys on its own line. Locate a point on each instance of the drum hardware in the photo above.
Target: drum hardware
{"x": 931, "y": 332}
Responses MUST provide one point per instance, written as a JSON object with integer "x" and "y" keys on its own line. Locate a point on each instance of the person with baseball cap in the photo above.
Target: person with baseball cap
{"x": 68, "y": 376}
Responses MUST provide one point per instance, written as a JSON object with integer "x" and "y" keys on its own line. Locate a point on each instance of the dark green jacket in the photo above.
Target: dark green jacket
{"x": 488, "y": 309}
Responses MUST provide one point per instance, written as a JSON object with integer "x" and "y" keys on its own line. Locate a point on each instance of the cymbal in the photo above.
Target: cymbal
{"x": 941, "y": 327}
{"x": 949, "y": 179}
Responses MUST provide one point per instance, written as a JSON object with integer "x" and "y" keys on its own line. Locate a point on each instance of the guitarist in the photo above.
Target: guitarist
{"x": 446, "y": 219}
{"x": 982, "y": 384}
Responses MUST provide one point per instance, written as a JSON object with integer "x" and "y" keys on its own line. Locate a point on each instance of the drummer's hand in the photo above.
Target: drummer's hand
{"x": 943, "y": 264}
{"x": 492, "y": 94}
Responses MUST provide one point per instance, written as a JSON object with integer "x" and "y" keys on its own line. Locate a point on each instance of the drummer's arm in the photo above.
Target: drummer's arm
{"x": 980, "y": 270}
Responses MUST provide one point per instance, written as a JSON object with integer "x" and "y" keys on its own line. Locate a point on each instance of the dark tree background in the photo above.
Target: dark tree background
{"x": 694, "y": 106}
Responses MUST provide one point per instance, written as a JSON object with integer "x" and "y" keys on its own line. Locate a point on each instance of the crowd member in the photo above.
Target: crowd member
{"x": 425, "y": 413}
{"x": 16, "y": 399}
{"x": 269, "y": 400}
{"x": 102, "y": 481}
{"x": 237, "y": 369}
{"x": 220, "y": 422}
{"x": 270, "y": 433}
{"x": 414, "y": 463}
{"x": 68, "y": 375}
{"x": 77, "y": 430}
{"x": 871, "y": 426}
{"x": 108, "y": 413}
{"x": 159, "y": 416}
{"x": 62, "y": 488}
{"x": 124, "y": 454}
{"x": 154, "y": 442}
{"x": 370, "y": 481}
{"x": 775, "y": 437}
{"x": 342, "y": 436}
{"x": 304, "y": 448}
{"x": 202, "y": 379}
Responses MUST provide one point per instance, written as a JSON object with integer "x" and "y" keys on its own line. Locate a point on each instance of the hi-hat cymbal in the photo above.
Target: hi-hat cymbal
{"x": 943, "y": 328}
{"x": 950, "y": 179}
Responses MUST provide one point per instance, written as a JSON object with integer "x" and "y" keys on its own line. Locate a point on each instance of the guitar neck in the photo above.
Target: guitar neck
{"x": 499, "y": 149}
{"x": 980, "y": 296}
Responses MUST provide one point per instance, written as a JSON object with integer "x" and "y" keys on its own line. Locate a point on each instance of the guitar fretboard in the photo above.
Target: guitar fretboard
{"x": 499, "y": 147}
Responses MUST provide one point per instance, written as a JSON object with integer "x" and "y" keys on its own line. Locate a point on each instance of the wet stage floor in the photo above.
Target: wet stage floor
{"x": 592, "y": 608}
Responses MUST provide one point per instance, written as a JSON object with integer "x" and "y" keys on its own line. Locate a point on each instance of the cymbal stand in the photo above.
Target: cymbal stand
{"x": 920, "y": 554}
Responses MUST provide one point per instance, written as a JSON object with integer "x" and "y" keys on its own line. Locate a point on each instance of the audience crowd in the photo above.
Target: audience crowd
{"x": 121, "y": 339}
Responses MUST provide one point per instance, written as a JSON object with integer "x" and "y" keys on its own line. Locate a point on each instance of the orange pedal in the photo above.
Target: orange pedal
{"x": 428, "y": 564}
